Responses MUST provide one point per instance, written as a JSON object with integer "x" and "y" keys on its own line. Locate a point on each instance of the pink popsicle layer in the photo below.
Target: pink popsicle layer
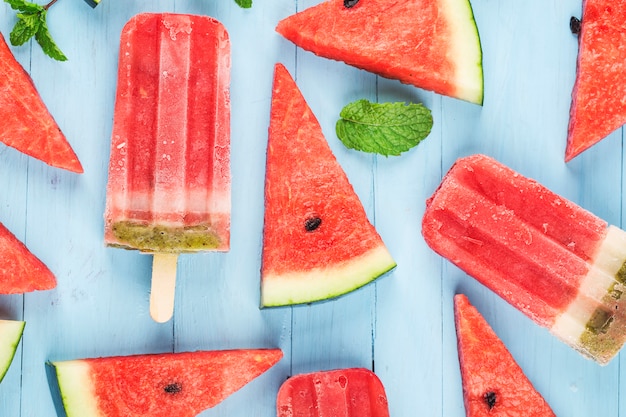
{"x": 554, "y": 261}
{"x": 169, "y": 170}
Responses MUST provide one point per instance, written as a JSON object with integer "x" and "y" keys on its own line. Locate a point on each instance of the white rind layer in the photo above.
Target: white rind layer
{"x": 324, "y": 283}
{"x": 10, "y": 335}
{"x": 598, "y": 285}
{"x": 77, "y": 390}
{"x": 465, "y": 50}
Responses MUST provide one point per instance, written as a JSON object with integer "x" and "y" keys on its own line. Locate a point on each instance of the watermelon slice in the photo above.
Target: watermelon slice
{"x": 352, "y": 392}
{"x": 317, "y": 240}
{"x": 430, "y": 44}
{"x": 598, "y": 98}
{"x": 26, "y": 123}
{"x": 493, "y": 383}
{"x": 158, "y": 385}
{"x": 10, "y": 335}
{"x": 20, "y": 270}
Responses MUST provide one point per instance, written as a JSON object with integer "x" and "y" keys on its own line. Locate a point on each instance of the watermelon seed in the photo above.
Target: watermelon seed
{"x": 574, "y": 25}
{"x": 349, "y": 3}
{"x": 490, "y": 399}
{"x": 312, "y": 223}
{"x": 173, "y": 388}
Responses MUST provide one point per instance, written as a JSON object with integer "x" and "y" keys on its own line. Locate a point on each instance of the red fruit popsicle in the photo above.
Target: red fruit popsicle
{"x": 556, "y": 262}
{"x": 169, "y": 171}
{"x": 352, "y": 392}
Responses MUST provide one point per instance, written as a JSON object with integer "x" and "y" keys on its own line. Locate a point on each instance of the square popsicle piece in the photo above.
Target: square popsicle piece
{"x": 559, "y": 264}
{"x": 169, "y": 180}
{"x": 351, "y": 392}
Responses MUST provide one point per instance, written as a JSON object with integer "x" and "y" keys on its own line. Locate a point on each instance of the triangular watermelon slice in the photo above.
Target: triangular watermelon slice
{"x": 317, "y": 240}
{"x": 432, "y": 44}
{"x": 10, "y": 335}
{"x": 20, "y": 270}
{"x": 598, "y": 98}
{"x": 493, "y": 383}
{"x": 158, "y": 385}
{"x": 26, "y": 122}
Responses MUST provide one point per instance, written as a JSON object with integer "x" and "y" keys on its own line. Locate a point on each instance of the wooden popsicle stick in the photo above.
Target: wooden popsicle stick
{"x": 163, "y": 286}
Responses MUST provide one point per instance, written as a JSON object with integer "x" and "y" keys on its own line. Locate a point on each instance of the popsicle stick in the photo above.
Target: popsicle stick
{"x": 163, "y": 286}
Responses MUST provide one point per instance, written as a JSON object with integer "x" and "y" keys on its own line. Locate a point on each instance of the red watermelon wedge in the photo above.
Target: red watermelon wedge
{"x": 26, "y": 122}
{"x": 20, "y": 270}
{"x": 158, "y": 385}
{"x": 493, "y": 383}
{"x": 317, "y": 240}
{"x": 599, "y": 95}
{"x": 432, "y": 44}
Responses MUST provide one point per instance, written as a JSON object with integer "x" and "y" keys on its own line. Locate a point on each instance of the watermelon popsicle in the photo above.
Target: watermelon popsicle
{"x": 352, "y": 392}
{"x": 169, "y": 179}
{"x": 559, "y": 264}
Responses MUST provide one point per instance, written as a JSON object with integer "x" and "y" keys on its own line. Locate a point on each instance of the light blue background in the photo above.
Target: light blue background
{"x": 401, "y": 326}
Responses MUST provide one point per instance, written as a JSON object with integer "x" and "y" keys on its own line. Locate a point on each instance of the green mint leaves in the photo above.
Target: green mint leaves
{"x": 246, "y": 4}
{"x": 383, "y": 128}
{"x": 31, "y": 22}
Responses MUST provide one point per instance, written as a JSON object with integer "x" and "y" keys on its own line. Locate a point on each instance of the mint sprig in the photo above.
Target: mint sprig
{"x": 31, "y": 22}
{"x": 383, "y": 128}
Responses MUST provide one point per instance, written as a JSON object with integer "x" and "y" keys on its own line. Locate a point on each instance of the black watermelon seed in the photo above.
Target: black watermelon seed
{"x": 312, "y": 223}
{"x": 173, "y": 388}
{"x": 490, "y": 399}
{"x": 349, "y": 3}
{"x": 574, "y": 25}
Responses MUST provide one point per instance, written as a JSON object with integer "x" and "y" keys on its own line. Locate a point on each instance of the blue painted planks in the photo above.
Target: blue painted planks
{"x": 402, "y": 325}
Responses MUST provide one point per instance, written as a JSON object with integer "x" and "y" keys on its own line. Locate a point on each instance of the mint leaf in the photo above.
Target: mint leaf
{"x": 32, "y": 22}
{"x": 25, "y": 28}
{"x": 383, "y": 128}
{"x": 24, "y": 6}
{"x": 246, "y": 4}
{"x": 44, "y": 39}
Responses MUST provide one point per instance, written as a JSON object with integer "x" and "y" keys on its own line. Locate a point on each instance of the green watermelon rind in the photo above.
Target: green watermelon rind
{"x": 320, "y": 284}
{"x": 10, "y": 335}
{"x": 76, "y": 388}
{"x": 466, "y": 52}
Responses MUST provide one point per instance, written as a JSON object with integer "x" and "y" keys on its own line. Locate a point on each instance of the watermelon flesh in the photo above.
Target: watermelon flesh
{"x": 317, "y": 240}
{"x": 352, "y": 392}
{"x": 20, "y": 270}
{"x": 10, "y": 335}
{"x": 554, "y": 261}
{"x": 433, "y": 45}
{"x": 158, "y": 385}
{"x": 26, "y": 122}
{"x": 598, "y": 98}
{"x": 493, "y": 383}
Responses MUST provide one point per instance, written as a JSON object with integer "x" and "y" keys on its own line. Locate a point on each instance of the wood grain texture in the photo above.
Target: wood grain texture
{"x": 402, "y": 325}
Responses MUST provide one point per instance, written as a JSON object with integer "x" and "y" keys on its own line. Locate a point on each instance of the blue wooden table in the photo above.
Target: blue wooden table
{"x": 402, "y": 325}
